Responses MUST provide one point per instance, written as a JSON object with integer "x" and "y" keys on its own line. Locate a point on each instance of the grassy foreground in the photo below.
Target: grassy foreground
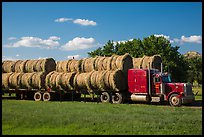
{"x": 75, "y": 118}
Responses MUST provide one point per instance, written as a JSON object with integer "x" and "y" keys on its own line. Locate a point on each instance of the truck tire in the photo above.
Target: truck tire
{"x": 117, "y": 98}
{"x": 105, "y": 97}
{"x": 37, "y": 96}
{"x": 174, "y": 100}
{"x": 46, "y": 96}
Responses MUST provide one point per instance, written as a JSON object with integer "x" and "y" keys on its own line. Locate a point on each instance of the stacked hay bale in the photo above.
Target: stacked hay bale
{"x": 90, "y": 74}
{"x": 26, "y": 74}
{"x": 142, "y": 63}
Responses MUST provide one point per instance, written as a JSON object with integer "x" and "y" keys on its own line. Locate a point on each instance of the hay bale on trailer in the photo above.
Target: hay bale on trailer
{"x": 88, "y": 64}
{"x": 156, "y": 61}
{"x": 26, "y": 80}
{"x": 15, "y": 80}
{"x": 117, "y": 81}
{"x": 5, "y": 80}
{"x": 124, "y": 63}
{"x": 38, "y": 80}
{"x": 137, "y": 62}
{"x": 74, "y": 65}
{"x": 17, "y": 67}
{"x": 82, "y": 81}
{"x": 8, "y": 66}
{"x": 62, "y": 66}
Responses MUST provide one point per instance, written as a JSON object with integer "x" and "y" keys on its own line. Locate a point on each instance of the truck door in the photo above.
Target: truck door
{"x": 157, "y": 82}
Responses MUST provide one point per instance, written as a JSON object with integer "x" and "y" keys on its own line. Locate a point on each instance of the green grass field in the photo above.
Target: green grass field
{"x": 24, "y": 117}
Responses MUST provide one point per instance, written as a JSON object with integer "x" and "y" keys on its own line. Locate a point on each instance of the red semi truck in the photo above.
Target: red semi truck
{"x": 150, "y": 85}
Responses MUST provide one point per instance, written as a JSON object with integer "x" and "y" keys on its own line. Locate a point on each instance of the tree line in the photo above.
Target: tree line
{"x": 180, "y": 68}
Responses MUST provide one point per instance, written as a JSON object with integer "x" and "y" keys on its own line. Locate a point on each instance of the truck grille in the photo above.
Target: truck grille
{"x": 188, "y": 89}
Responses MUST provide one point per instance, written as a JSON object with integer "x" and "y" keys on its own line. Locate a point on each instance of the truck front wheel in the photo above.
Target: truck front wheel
{"x": 174, "y": 100}
{"x": 105, "y": 97}
{"x": 117, "y": 98}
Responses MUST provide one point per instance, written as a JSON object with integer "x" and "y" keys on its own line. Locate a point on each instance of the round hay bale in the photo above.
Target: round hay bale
{"x": 88, "y": 64}
{"x": 145, "y": 62}
{"x": 105, "y": 63}
{"x": 17, "y": 67}
{"x": 78, "y": 65}
{"x": 53, "y": 81}
{"x": 117, "y": 81}
{"x": 28, "y": 66}
{"x": 72, "y": 65}
{"x": 59, "y": 80}
{"x": 34, "y": 64}
{"x": 106, "y": 79}
{"x": 15, "y": 80}
{"x": 23, "y": 66}
{"x": 100, "y": 80}
{"x": 39, "y": 65}
{"x": 48, "y": 65}
{"x": 8, "y": 66}
{"x": 109, "y": 61}
{"x": 94, "y": 79}
{"x": 100, "y": 63}
{"x": 137, "y": 62}
{"x": 38, "y": 80}
{"x": 113, "y": 62}
{"x": 47, "y": 79}
{"x": 5, "y": 80}
{"x": 62, "y": 66}
{"x": 156, "y": 62}
{"x": 97, "y": 58}
{"x": 124, "y": 62}
{"x": 26, "y": 80}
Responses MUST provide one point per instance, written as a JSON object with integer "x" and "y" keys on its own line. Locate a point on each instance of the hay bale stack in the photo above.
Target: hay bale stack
{"x": 5, "y": 80}
{"x": 60, "y": 80}
{"x": 100, "y": 63}
{"x": 100, "y": 80}
{"x": 15, "y": 80}
{"x": 8, "y": 66}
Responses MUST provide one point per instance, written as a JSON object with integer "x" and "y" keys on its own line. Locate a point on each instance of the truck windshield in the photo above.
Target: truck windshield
{"x": 166, "y": 79}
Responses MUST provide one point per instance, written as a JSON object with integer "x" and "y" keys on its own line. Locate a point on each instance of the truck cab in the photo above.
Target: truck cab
{"x": 150, "y": 85}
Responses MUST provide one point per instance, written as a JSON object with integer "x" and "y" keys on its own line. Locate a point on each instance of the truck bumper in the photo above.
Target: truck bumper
{"x": 188, "y": 99}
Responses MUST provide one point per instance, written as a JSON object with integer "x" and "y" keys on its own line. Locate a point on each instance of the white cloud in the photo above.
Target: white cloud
{"x": 165, "y": 36}
{"x": 49, "y": 43}
{"x": 17, "y": 55}
{"x": 191, "y": 39}
{"x": 9, "y": 58}
{"x": 84, "y": 22}
{"x": 75, "y": 56}
{"x": 12, "y": 38}
{"x": 79, "y": 43}
{"x": 121, "y": 41}
{"x": 63, "y": 19}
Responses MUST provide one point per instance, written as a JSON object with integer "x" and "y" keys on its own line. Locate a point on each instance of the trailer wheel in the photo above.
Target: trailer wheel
{"x": 174, "y": 100}
{"x": 46, "y": 96}
{"x": 105, "y": 97}
{"x": 37, "y": 96}
{"x": 117, "y": 98}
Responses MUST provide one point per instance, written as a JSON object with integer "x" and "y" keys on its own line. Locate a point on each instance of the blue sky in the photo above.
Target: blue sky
{"x": 32, "y": 30}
